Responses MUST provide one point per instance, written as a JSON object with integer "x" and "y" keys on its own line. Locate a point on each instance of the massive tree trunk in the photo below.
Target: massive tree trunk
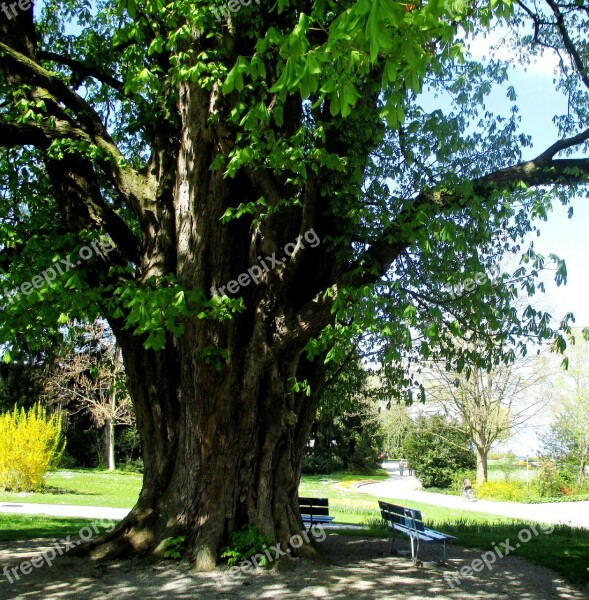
{"x": 224, "y": 447}
{"x": 223, "y": 431}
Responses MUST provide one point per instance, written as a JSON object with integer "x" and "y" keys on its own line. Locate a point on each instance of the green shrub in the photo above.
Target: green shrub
{"x": 30, "y": 445}
{"x": 437, "y": 450}
{"x": 134, "y": 466}
{"x": 552, "y": 481}
{"x": 174, "y": 547}
{"x": 364, "y": 458}
{"x": 321, "y": 464}
{"x": 245, "y": 543}
{"x": 507, "y": 466}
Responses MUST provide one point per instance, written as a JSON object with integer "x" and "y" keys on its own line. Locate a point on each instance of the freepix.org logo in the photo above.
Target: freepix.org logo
{"x": 255, "y": 272}
{"x": 60, "y": 268}
{"x": 6, "y": 8}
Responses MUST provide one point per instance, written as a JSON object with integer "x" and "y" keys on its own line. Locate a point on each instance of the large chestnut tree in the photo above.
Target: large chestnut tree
{"x": 245, "y": 193}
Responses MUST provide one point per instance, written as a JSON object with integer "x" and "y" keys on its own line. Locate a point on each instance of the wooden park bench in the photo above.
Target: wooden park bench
{"x": 408, "y": 521}
{"x": 314, "y": 510}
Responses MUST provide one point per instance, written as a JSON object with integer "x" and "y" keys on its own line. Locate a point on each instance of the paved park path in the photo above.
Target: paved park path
{"x": 406, "y": 487}
{"x": 61, "y": 510}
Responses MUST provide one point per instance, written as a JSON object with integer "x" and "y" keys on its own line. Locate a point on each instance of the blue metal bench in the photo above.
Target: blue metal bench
{"x": 314, "y": 510}
{"x": 409, "y": 522}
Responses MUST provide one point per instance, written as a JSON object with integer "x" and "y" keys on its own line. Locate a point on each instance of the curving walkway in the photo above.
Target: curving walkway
{"x": 406, "y": 487}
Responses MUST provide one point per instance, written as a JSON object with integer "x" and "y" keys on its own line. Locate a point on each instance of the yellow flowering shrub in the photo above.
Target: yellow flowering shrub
{"x": 512, "y": 491}
{"x": 30, "y": 444}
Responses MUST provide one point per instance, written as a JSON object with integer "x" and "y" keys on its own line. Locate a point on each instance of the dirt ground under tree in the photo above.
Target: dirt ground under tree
{"x": 360, "y": 569}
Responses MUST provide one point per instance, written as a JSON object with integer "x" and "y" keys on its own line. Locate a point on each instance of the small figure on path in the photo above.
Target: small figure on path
{"x": 401, "y": 467}
{"x": 409, "y": 468}
{"x": 467, "y": 489}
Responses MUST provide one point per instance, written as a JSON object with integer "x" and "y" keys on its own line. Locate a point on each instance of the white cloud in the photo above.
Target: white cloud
{"x": 497, "y": 44}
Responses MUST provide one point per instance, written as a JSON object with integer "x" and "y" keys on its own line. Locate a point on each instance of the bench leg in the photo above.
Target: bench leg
{"x": 392, "y": 542}
{"x": 415, "y": 548}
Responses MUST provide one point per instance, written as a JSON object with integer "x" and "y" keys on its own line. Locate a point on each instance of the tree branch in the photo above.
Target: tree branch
{"x": 54, "y": 85}
{"x": 41, "y": 135}
{"x": 543, "y": 170}
{"x": 80, "y": 68}
{"x": 568, "y": 43}
{"x": 136, "y": 189}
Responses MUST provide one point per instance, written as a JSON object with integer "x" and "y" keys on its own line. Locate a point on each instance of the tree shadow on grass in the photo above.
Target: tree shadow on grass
{"x": 51, "y": 490}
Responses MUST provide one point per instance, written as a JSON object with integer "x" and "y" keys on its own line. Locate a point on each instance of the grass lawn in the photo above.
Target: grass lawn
{"x": 84, "y": 487}
{"x": 566, "y": 549}
{"x": 349, "y": 506}
{"x": 28, "y": 527}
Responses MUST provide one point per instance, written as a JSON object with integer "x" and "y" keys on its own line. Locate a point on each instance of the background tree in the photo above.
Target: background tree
{"x": 90, "y": 377}
{"x": 489, "y": 406}
{"x": 437, "y": 450}
{"x": 215, "y": 155}
{"x": 567, "y": 440}
{"x": 21, "y": 377}
{"x": 396, "y": 425}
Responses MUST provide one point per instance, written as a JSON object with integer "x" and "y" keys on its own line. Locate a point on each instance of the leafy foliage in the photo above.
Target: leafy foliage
{"x": 30, "y": 444}
{"x": 567, "y": 440}
{"x": 174, "y": 547}
{"x": 349, "y": 70}
{"x": 347, "y": 430}
{"x": 245, "y": 543}
{"x": 322, "y": 463}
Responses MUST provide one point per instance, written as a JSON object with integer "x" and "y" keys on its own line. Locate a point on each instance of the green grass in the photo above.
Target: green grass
{"x": 565, "y": 549}
{"x": 351, "y": 506}
{"x": 84, "y": 487}
{"x": 28, "y": 527}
